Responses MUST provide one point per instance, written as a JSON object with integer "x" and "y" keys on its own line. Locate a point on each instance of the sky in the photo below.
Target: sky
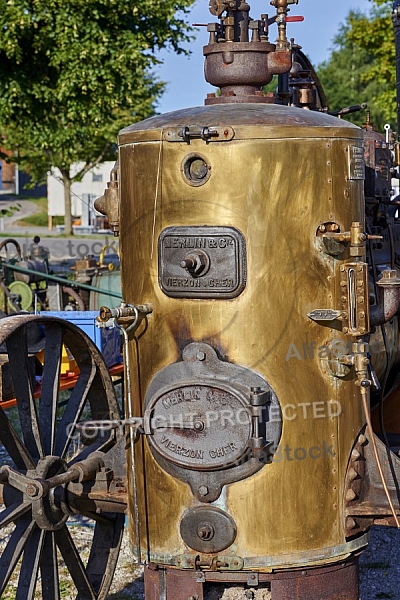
{"x": 186, "y": 86}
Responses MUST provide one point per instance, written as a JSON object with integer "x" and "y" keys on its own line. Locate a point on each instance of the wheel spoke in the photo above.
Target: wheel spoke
{"x": 49, "y": 569}
{"x": 14, "y": 549}
{"x": 13, "y": 512}
{"x": 30, "y": 566}
{"x": 106, "y": 543}
{"x": 67, "y": 426}
{"x": 74, "y": 564}
{"x": 50, "y": 384}
{"x": 14, "y": 446}
{"x": 18, "y": 360}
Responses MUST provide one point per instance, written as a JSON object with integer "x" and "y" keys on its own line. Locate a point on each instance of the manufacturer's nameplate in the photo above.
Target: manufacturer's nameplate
{"x": 202, "y": 262}
{"x": 356, "y": 162}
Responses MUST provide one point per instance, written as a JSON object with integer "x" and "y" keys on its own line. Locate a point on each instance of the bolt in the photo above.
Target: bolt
{"x": 203, "y": 490}
{"x": 32, "y": 490}
{"x": 351, "y": 523}
{"x": 200, "y": 356}
{"x": 350, "y": 495}
{"x": 206, "y": 532}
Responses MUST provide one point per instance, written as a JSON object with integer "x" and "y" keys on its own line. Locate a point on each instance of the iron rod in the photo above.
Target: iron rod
{"x": 67, "y": 282}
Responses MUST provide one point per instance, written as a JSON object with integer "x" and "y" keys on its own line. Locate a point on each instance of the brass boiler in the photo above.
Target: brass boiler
{"x": 221, "y": 235}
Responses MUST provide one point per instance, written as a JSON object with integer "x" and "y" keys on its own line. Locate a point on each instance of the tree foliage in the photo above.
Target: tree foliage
{"x": 375, "y": 36}
{"x": 72, "y": 74}
{"x": 350, "y": 76}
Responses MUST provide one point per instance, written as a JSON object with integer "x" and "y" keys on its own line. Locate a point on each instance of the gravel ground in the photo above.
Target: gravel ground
{"x": 379, "y": 565}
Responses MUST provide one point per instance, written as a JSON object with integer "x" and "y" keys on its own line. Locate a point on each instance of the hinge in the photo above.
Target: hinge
{"x": 205, "y": 133}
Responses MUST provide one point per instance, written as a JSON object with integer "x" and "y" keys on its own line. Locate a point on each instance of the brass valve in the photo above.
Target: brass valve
{"x": 282, "y": 9}
{"x": 356, "y": 236}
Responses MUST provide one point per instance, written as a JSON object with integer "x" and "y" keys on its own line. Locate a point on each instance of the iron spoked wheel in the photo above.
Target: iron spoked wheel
{"x": 46, "y": 453}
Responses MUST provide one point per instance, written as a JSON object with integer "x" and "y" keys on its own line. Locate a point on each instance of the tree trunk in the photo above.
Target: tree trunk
{"x": 67, "y": 202}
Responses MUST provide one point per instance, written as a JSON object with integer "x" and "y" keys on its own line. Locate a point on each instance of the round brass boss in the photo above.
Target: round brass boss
{"x": 195, "y": 169}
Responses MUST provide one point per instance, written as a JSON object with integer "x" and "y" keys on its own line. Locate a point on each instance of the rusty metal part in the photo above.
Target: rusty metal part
{"x": 388, "y": 300}
{"x": 211, "y": 422}
{"x": 365, "y": 499}
{"x": 55, "y": 469}
{"x": 124, "y": 313}
{"x": 241, "y": 69}
{"x": 202, "y": 262}
{"x": 207, "y": 529}
{"x": 336, "y": 582}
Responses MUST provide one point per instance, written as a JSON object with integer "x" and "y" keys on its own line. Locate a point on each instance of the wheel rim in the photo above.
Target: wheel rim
{"x": 42, "y": 442}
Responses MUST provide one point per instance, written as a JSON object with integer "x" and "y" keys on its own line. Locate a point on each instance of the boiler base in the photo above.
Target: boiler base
{"x": 333, "y": 582}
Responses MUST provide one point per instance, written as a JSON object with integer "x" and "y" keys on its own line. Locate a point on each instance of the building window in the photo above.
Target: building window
{"x": 97, "y": 177}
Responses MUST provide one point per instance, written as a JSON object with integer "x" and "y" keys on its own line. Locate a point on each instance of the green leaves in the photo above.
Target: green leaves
{"x": 362, "y": 65}
{"x": 72, "y": 74}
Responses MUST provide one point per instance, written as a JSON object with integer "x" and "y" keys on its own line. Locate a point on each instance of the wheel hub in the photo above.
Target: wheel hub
{"x": 50, "y": 511}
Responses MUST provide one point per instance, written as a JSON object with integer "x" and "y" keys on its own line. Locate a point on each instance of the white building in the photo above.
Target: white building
{"x": 83, "y": 194}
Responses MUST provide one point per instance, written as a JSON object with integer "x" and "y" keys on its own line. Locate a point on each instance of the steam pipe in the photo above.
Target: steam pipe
{"x": 396, "y": 25}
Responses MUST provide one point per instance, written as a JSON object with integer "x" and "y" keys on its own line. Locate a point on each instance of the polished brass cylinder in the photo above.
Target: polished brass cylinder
{"x": 276, "y": 178}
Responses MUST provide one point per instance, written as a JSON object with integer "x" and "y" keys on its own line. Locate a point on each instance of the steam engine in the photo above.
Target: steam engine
{"x": 243, "y": 226}
{"x": 259, "y": 254}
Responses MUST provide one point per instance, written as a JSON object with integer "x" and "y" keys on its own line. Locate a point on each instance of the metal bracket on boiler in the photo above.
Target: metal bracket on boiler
{"x": 207, "y": 134}
{"x": 354, "y": 316}
{"x": 355, "y": 298}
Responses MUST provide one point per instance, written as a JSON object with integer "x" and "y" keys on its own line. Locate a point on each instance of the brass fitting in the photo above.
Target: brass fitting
{"x": 282, "y": 10}
{"x": 108, "y": 203}
{"x": 356, "y": 236}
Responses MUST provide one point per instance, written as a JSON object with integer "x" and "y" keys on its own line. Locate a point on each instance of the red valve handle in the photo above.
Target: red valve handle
{"x": 294, "y": 19}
